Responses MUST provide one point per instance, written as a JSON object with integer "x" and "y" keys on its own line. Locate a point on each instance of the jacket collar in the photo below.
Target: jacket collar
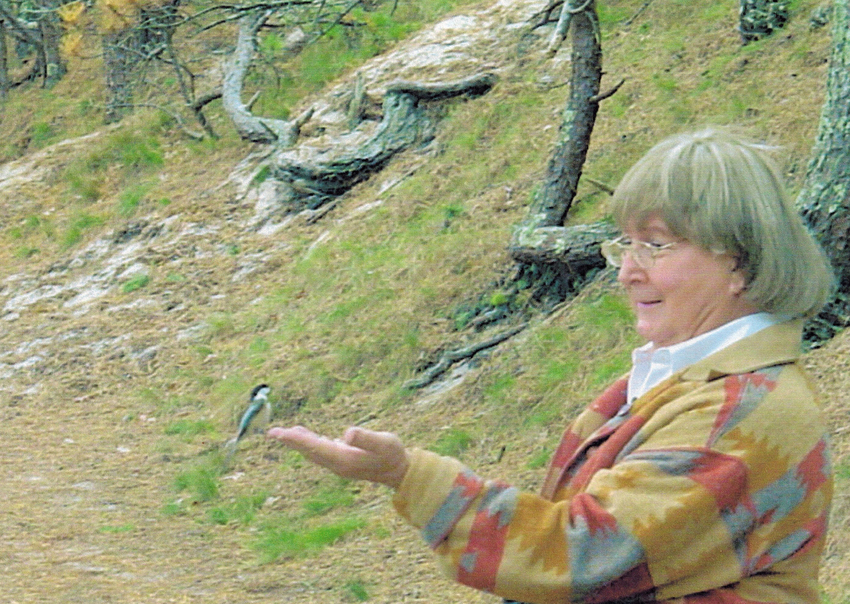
{"x": 776, "y": 345}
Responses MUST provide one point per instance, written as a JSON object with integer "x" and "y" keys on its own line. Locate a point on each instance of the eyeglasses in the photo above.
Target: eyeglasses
{"x": 644, "y": 253}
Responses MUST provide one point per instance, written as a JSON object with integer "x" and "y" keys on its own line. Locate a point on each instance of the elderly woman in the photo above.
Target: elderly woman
{"x": 703, "y": 475}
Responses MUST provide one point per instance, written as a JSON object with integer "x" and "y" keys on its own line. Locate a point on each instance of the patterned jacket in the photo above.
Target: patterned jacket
{"x": 714, "y": 488}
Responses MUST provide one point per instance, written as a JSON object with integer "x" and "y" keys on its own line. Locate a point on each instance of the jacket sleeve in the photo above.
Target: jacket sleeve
{"x": 706, "y": 492}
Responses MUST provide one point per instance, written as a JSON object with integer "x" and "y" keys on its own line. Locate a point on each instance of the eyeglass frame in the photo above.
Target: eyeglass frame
{"x": 616, "y": 248}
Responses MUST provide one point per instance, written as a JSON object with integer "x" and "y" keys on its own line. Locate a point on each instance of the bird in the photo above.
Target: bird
{"x": 258, "y": 400}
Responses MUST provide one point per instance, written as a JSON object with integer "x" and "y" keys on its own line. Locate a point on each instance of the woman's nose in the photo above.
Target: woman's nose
{"x": 630, "y": 271}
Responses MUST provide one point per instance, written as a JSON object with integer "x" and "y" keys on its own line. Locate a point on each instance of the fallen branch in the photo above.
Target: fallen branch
{"x": 453, "y": 356}
{"x": 638, "y": 13}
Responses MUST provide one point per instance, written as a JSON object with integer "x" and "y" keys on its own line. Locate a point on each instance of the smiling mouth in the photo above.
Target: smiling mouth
{"x": 647, "y": 304}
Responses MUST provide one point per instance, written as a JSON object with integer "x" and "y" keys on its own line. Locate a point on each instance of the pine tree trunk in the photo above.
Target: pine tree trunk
{"x": 4, "y": 62}
{"x": 825, "y": 197}
{"x": 117, "y": 63}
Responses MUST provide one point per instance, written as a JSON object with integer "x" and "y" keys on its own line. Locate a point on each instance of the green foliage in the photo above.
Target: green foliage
{"x": 131, "y": 197}
{"x": 540, "y": 459}
{"x": 133, "y": 152}
{"x": 500, "y": 387}
{"x": 262, "y": 174}
{"x": 84, "y": 182}
{"x": 220, "y": 324}
{"x": 607, "y": 311}
{"x": 610, "y": 369}
{"x": 41, "y": 133}
{"x": 610, "y": 15}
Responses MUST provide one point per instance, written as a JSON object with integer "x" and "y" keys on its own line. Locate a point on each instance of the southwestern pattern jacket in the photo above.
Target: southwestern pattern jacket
{"x": 713, "y": 489}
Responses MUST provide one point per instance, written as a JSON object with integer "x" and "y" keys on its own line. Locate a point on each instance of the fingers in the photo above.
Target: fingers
{"x": 360, "y": 454}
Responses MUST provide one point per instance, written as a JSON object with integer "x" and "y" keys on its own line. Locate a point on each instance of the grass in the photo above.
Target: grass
{"x": 135, "y": 283}
{"x": 241, "y": 511}
{"x": 328, "y": 498}
{"x": 453, "y": 442}
{"x": 280, "y": 539}
{"x": 189, "y": 429}
{"x": 200, "y": 484}
{"x": 80, "y": 223}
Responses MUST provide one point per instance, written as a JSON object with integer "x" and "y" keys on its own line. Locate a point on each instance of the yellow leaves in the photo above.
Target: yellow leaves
{"x": 116, "y": 15}
{"x": 71, "y": 13}
{"x": 72, "y": 44}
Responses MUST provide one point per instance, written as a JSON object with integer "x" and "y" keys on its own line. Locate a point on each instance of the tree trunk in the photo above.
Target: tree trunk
{"x": 541, "y": 237}
{"x": 50, "y": 64}
{"x": 118, "y": 63}
{"x": 4, "y": 61}
{"x": 825, "y": 197}
{"x": 564, "y": 170}
{"x": 250, "y": 127}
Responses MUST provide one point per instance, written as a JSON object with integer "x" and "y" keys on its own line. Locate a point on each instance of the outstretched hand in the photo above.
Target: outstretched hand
{"x": 360, "y": 454}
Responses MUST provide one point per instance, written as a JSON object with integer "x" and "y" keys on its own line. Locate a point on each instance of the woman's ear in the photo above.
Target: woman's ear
{"x": 739, "y": 278}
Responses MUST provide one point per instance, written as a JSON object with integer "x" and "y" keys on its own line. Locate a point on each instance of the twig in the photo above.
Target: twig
{"x": 609, "y": 93}
{"x": 600, "y": 185}
{"x": 318, "y": 213}
{"x": 638, "y": 13}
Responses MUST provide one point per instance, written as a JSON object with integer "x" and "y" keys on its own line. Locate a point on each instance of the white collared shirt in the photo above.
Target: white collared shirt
{"x": 650, "y": 367}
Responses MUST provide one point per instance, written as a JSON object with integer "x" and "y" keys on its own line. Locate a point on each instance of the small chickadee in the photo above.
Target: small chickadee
{"x": 259, "y": 400}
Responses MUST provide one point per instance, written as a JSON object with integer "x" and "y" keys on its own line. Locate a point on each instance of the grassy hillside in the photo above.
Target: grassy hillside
{"x": 149, "y": 282}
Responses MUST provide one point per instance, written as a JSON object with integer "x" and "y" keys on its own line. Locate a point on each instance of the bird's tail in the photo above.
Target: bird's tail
{"x": 230, "y": 449}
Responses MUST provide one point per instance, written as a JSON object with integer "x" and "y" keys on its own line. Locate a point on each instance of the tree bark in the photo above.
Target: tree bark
{"x": 825, "y": 197}
{"x": 565, "y": 166}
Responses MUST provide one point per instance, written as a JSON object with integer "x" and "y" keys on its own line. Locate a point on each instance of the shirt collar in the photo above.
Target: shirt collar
{"x": 652, "y": 366}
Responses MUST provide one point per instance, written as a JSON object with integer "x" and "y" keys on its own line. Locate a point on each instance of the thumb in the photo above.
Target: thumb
{"x": 367, "y": 440}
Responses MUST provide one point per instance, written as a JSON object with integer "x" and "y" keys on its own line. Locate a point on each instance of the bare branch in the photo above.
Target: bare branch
{"x": 608, "y": 93}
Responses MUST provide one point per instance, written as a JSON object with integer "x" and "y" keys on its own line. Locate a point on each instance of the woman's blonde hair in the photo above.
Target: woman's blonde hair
{"x": 724, "y": 193}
